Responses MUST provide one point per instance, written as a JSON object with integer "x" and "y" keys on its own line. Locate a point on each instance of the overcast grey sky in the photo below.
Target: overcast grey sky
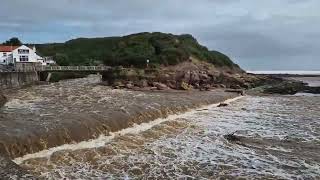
{"x": 257, "y": 34}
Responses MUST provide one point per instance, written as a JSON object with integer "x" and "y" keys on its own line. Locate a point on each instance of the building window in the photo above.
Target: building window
{"x": 4, "y": 54}
{"x": 23, "y": 51}
{"x": 24, "y": 58}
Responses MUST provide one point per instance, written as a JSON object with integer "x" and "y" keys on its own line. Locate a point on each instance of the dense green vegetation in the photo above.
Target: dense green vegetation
{"x": 133, "y": 50}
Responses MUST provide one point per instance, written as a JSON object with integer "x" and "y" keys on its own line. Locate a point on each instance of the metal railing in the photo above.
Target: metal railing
{"x": 73, "y": 68}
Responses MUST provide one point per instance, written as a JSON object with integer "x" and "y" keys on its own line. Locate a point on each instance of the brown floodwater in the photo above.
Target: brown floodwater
{"x": 279, "y": 139}
{"x": 40, "y": 117}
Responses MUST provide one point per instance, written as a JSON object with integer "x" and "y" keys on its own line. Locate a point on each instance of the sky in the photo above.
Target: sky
{"x": 256, "y": 34}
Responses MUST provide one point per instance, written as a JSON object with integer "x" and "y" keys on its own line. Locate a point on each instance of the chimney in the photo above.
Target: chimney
{"x": 34, "y": 48}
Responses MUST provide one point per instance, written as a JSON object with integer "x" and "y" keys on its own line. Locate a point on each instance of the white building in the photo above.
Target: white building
{"x": 16, "y": 54}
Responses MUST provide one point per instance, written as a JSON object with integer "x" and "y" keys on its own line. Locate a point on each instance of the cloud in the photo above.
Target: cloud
{"x": 257, "y": 34}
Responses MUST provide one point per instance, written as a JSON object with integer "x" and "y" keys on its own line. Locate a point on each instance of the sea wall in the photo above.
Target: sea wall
{"x": 17, "y": 79}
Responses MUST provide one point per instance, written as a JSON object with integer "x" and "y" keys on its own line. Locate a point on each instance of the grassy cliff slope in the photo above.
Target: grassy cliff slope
{"x": 133, "y": 50}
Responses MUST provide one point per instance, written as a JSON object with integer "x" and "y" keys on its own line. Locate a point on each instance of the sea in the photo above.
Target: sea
{"x": 254, "y": 137}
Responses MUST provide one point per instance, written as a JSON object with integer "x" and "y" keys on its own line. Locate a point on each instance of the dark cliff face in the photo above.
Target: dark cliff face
{"x": 134, "y": 50}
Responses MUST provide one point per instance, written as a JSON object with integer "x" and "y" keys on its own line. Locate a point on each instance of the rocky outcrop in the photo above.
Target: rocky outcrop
{"x": 313, "y": 90}
{"x": 185, "y": 76}
{"x": 286, "y": 87}
{"x": 280, "y": 85}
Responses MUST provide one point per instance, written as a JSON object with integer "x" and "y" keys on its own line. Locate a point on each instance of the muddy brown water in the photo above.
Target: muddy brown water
{"x": 279, "y": 139}
{"x": 40, "y": 117}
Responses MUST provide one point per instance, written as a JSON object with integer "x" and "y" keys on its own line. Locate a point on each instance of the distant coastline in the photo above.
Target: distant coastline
{"x": 299, "y": 73}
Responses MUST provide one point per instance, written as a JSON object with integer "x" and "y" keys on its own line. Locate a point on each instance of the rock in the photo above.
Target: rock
{"x": 206, "y": 87}
{"x": 204, "y": 77}
{"x": 197, "y": 86}
{"x": 118, "y": 84}
{"x": 172, "y": 84}
{"x": 286, "y": 87}
{"x": 194, "y": 77}
{"x": 3, "y": 99}
{"x": 313, "y": 90}
{"x": 232, "y": 137}
{"x": 185, "y": 86}
{"x": 160, "y": 86}
{"x": 223, "y": 105}
{"x": 142, "y": 83}
{"x": 235, "y": 86}
{"x": 129, "y": 85}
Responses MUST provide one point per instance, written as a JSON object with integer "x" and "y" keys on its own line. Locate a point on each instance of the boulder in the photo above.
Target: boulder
{"x": 142, "y": 83}
{"x": 129, "y": 85}
{"x": 205, "y": 87}
{"x": 204, "y": 77}
{"x": 118, "y": 84}
{"x": 3, "y": 99}
{"x": 313, "y": 90}
{"x": 172, "y": 84}
{"x": 160, "y": 86}
{"x": 235, "y": 86}
{"x": 286, "y": 87}
{"x": 223, "y": 105}
{"x": 194, "y": 77}
{"x": 185, "y": 86}
{"x": 232, "y": 137}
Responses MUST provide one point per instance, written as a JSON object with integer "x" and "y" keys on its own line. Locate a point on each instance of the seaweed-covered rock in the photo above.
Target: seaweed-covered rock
{"x": 286, "y": 87}
{"x": 313, "y": 90}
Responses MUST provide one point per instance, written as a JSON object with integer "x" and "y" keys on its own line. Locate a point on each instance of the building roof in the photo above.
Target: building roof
{"x": 7, "y": 48}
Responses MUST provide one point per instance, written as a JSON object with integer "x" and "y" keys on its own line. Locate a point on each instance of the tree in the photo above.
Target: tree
{"x": 13, "y": 42}
{"x": 62, "y": 59}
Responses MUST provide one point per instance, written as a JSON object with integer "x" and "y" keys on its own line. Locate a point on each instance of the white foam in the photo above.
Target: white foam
{"x": 103, "y": 139}
{"x": 305, "y": 94}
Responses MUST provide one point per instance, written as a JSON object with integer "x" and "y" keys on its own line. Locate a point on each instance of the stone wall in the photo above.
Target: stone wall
{"x": 17, "y": 79}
